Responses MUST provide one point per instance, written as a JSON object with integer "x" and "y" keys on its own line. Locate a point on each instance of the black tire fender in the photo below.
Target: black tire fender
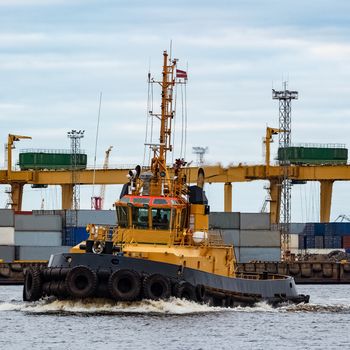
{"x": 81, "y": 282}
{"x": 32, "y": 289}
{"x": 185, "y": 290}
{"x": 200, "y": 292}
{"x": 124, "y": 285}
{"x": 156, "y": 287}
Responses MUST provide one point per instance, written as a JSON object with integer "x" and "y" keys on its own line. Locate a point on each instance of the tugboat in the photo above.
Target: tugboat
{"x": 162, "y": 245}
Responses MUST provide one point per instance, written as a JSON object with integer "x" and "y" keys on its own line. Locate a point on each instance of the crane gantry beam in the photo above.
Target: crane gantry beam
{"x": 325, "y": 174}
{"x": 213, "y": 174}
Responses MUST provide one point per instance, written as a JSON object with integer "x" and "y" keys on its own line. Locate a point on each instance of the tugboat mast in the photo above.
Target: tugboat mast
{"x": 161, "y": 184}
{"x": 166, "y": 107}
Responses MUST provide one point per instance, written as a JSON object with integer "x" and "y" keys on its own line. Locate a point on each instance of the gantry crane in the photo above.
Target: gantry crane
{"x": 270, "y": 132}
{"x": 325, "y": 174}
{"x": 98, "y": 201}
{"x": 16, "y": 185}
{"x": 267, "y": 141}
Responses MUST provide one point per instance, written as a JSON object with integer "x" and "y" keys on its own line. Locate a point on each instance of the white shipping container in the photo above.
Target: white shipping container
{"x": 6, "y": 217}
{"x": 259, "y": 254}
{"x": 224, "y": 220}
{"x": 40, "y": 253}
{"x": 7, "y": 253}
{"x": 255, "y": 221}
{"x": 231, "y": 237}
{"x": 293, "y": 241}
{"x": 7, "y": 235}
{"x": 296, "y": 228}
{"x": 82, "y": 218}
{"x": 260, "y": 238}
{"x": 38, "y": 238}
{"x": 38, "y": 222}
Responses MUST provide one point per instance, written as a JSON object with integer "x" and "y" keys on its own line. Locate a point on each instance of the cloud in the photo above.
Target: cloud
{"x": 29, "y": 3}
{"x": 333, "y": 51}
{"x": 56, "y": 56}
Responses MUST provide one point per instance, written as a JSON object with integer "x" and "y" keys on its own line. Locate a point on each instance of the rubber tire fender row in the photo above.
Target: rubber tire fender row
{"x": 124, "y": 285}
{"x": 156, "y": 287}
{"x": 200, "y": 292}
{"x": 185, "y": 290}
{"x": 32, "y": 289}
{"x": 57, "y": 273}
{"x": 81, "y": 282}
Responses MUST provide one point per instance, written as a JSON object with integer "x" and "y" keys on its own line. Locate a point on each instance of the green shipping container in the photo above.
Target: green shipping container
{"x": 313, "y": 155}
{"x": 51, "y": 161}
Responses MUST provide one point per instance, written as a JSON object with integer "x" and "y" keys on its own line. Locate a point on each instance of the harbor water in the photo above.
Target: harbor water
{"x": 175, "y": 324}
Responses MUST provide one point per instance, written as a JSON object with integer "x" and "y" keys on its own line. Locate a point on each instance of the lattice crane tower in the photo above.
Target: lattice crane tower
{"x": 200, "y": 152}
{"x": 75, "y": 136}
{"x": 285, "y": 98}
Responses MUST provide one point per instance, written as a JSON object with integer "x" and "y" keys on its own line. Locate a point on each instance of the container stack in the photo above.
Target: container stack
{"x": 250, "y": 234}
{"x": 75, "y": 222}
{"x": 335, "y": 235}
{"x": 37, "y": 236}
{"x": 7, "y": 235}
{"x": 29, "y": 236}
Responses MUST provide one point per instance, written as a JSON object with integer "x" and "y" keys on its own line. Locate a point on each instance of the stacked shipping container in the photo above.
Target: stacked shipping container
{"x": 7, "y": 235}
{"x": 38, "y": 234}
{"x": 35, "y": 235}
{"x": 250, "y": 234}
{"x": 74, "y": 230}
{"x": 28, "y": 236}
{"x": 335, "y": 235}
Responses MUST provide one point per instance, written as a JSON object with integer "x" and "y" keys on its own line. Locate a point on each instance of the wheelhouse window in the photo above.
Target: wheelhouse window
{"x": 125, "y": 199}
{"x": 122, "y": 215}
{"x": 160, "y": 201}
{"x": 140, "y": 200}
{"x": 161, "y": 218}
{"x": 140, "y": 217}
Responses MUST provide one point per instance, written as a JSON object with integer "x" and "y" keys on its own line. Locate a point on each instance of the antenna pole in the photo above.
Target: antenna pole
{"x": 96, "y": 141}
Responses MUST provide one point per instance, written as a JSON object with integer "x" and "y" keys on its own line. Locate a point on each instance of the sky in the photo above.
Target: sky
{"x": 57, "y": 56}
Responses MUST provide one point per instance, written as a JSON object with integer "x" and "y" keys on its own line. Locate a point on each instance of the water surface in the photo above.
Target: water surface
{"x": 175, "y": 324}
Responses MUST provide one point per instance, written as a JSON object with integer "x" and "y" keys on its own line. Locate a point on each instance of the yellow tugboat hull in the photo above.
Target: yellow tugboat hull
{"x": 218, "y": 260}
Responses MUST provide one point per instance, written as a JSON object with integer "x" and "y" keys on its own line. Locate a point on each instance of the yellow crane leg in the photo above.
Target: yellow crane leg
{"x": 17, "y": 195}
{"x": 275, "y": 193}
{"x": 67, "y": 196}
{"x": 228, "y": 197}
{"x": 325, "y": 200}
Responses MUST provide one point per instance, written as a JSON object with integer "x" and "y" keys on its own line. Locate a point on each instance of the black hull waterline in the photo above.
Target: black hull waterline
{"x": 201, "y": 286}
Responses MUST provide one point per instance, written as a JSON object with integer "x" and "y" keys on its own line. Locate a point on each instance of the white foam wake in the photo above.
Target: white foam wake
{"x": 172, "y": 306}
{"x": 103, "y": 306}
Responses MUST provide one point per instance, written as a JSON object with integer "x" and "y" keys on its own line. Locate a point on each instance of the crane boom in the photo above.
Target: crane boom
{"x": 105, "y": 166}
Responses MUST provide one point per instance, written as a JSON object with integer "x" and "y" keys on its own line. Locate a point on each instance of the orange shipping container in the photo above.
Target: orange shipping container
{"x": 346, "y": 242}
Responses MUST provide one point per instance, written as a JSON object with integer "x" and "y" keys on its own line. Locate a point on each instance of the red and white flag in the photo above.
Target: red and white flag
{"x": 181, "y": 74}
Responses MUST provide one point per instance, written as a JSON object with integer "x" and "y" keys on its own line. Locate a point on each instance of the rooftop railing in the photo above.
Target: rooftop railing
{"x": 50, "y": 151}
{"x": 319, "y": 145}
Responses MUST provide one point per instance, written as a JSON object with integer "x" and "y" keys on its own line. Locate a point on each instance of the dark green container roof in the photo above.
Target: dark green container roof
{"x": 51, "y": 159}
{"x": 314, "y": 154}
